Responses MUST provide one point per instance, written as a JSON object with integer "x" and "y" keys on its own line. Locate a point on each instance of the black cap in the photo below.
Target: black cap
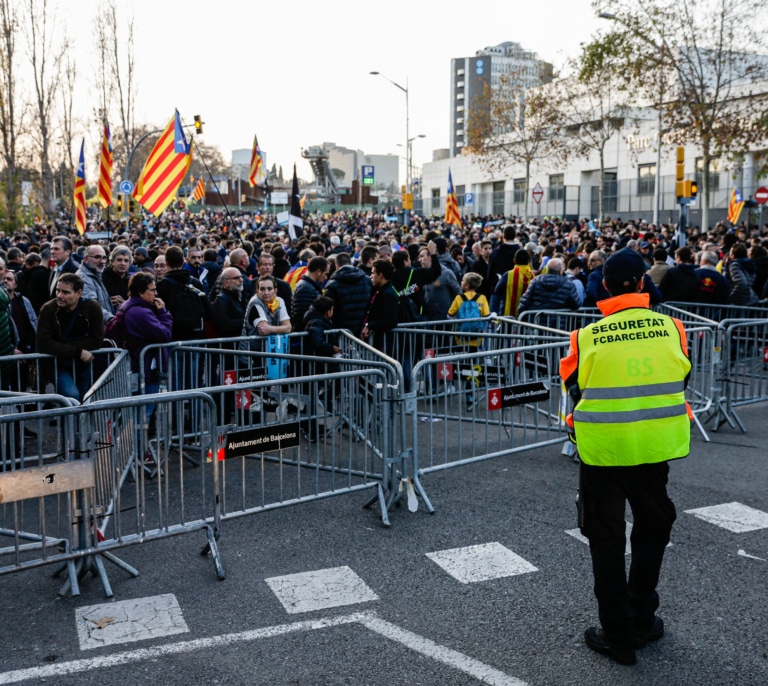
{"x": 623, "y": 267}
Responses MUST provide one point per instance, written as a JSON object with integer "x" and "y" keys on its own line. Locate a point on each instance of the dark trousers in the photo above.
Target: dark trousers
{"x": 626, "y": 605}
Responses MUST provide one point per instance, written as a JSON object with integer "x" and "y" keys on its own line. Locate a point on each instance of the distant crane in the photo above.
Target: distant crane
{"x": 324, "y": 180}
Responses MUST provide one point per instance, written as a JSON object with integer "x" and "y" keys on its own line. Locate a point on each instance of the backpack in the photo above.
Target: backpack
{"x": 187, "y": 309}
{"x": 469, "y": 309}
{"x": 115, "y": 331}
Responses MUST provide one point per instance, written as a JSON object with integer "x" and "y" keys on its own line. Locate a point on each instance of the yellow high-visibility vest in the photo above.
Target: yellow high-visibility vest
{"x": 631, "y": 370}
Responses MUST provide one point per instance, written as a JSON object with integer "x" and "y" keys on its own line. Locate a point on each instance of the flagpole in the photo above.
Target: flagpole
{"x": 215, "y": 185}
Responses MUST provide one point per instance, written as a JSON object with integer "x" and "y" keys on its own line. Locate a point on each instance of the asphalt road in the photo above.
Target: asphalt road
{"x": 405, "y": 619}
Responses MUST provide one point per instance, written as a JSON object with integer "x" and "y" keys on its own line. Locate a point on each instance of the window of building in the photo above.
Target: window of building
{"x": 557, "y": 187}
{"x": 460, "y": 194}
{"x": 460, "y": 84}
{"x": 459, "y": 120}
{"x": 460, "y": 108}
{"x": 435, "y": 198}
{"x": 714, "y": 172}
{"x": 498, "y": 197}
{"x": 459, "y": 96}
{"x": 459, "y": 72}
{"x": 518, "y": 191}
{"x": 646, "y": 179}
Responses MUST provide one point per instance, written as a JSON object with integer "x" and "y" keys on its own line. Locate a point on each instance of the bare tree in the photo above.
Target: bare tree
{"x": 711, "y": 52}
{"x": 591, "y": 110}
{"x": 120, "y": 58}
{"x": 510, "y": 125}
{"x": 9, "y": 118}
{"x": 69, "y": 74}
{"x": 45, "y": 56}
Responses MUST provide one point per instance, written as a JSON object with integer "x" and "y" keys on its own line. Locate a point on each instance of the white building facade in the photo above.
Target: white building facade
{"x": 572, "y": 190}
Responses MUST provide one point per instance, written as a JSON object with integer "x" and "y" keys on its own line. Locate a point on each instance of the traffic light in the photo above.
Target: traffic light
{"x": 198, "y": 124}
{"x": 119, "y": 203}
{"x": 694, "y": 189}
{"x": 680, "y": 173}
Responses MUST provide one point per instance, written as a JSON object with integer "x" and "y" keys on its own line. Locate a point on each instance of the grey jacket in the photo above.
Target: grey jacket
{"x": 94, "y": 289}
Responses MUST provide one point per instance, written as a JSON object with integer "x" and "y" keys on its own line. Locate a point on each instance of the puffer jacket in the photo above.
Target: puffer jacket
{"x": 741, "y": 276}
{"x": 549, "y": 292}
{"x": 350, "y": 289}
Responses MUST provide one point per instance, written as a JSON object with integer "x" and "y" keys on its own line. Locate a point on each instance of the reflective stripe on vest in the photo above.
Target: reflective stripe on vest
{"x": 624, "y": 416}
{"x": 633, "y": 391}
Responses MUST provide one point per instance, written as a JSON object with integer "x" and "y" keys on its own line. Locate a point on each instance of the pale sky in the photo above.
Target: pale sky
{"x": 297, "y": 73}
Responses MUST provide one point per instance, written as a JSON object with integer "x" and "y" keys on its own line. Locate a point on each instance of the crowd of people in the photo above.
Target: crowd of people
{"x": 219, "y": 275}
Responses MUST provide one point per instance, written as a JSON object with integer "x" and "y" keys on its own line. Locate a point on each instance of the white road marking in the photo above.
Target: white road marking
{"x": 744, "y": 553}
{"x": 129, "y": 620}
{"x": 452, "y": 658}
{"x": 481, "y": 562}
{"x": 320, "y": 590}
{"x": 733, "y": 517}
{"x": 414, "y": 642}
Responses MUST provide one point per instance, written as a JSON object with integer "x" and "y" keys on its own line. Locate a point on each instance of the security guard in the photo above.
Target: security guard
{"x": 627, "y": 375}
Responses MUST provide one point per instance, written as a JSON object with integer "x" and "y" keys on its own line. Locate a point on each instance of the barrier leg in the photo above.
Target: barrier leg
{"x": 212, "y": 547}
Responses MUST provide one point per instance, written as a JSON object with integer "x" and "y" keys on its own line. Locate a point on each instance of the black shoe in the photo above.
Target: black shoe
{"x": 654, "y": 633}
{"x": 595, "y": 640}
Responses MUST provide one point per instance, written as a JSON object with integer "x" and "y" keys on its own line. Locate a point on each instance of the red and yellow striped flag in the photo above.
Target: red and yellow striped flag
{"x": 80, "y": 192}
{"x": 199, "y": 192}
{"x": 452, "y": 215}
{"x": 165, "y": 169}
{"x": 735, "y": 206}
{"x": 105, "y": 169}
{"x": 254, "y": 173}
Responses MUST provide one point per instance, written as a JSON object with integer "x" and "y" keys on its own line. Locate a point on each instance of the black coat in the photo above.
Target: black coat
{"x": 381, "y": 317}
{"x": 680, "y": 284}
{"x": 228, "y": 313}
{"x": 306, "y": 291}
{"x": 350, "y": 290}
{"x": 501, "y": 261}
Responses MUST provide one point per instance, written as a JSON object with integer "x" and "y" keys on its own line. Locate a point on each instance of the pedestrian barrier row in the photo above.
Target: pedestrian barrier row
{"x": 81, "y": 500}
{"x": 239, "y": 427}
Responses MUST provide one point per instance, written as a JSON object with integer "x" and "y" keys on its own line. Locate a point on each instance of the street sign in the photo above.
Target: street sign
{"x": 761, "y": 195}
{"x": 279, "y": 198}
{"x": 367, "y": 175}
{"x": 469, "y": 198}
{"x": 538, "y": 193}
{"x": 126, "y": 187}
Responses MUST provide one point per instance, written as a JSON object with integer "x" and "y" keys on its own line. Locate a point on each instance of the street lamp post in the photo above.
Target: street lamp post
{"x": 407, "y": 139}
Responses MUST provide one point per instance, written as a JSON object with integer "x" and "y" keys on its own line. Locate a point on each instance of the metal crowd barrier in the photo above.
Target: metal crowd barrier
{"x": 715, "y": 313}
{"x": 344, "y": 435}
{"x": 743, "y": 374}
{"x": 32, "y": 373}
{"x": 484, "y": 404}
{"x": 89, "y": 494}
{"x": 739, "y": 359}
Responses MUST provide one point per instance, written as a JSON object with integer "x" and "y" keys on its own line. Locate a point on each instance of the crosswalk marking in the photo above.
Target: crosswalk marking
{"x": 481, "y": 562}
{"x": 320, "y": 589}
{"x": 126, "y": 621}
{"x": 734, "y": 517}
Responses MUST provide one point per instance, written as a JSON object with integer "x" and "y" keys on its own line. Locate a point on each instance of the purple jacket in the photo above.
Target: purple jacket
{"x": 145, "y": 324}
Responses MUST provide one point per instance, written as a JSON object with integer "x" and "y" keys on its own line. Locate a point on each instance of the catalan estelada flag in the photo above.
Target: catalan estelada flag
{"x": 254, "y": 173}
{"x": 452, "y": 215}
{"x": 199, "y": 192}
{"x": 80, "y": 192}
{"x": 735, "y": 205}
{"x": 165, "y": 169}
{"x": 105, "y": 169}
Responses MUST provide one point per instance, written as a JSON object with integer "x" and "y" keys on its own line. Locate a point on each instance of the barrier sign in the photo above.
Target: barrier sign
{"x": 262, "y": 440}
{"x": 517, "y": 395}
